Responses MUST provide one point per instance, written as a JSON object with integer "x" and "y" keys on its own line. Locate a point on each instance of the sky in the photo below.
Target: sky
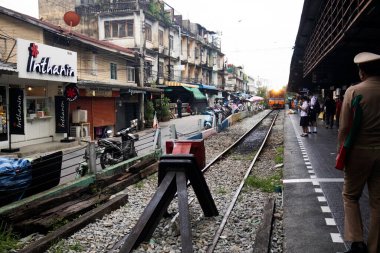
{"x": 256, "y": 34}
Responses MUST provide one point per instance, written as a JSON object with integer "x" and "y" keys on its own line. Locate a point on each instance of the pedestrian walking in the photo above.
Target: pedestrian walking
{"x": 362, "y": 164}
{"x": 179, "y": 108}
{"x": 304, "y": 120}
{"x": 329, "y": 111}
{"x": 314, "y": 111}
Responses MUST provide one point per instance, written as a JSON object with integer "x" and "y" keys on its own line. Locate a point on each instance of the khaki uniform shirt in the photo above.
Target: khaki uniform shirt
{"x": 368, "y": 136}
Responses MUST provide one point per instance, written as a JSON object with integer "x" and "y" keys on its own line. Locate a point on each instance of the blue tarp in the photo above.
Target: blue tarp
{"x": 15, "y": 174}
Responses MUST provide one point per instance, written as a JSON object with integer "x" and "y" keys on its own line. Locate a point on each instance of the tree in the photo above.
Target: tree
{"x": 262, "y": 91}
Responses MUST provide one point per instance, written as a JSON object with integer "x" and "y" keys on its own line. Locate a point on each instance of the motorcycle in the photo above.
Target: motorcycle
{"x": 116, "y": 151}
{"x": 208, "y": 121}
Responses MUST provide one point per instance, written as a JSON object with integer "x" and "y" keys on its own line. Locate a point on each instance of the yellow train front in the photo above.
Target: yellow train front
{"x": 276, "y": 99}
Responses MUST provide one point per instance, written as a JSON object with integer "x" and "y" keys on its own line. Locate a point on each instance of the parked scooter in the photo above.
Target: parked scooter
{"x": 208, "y": 121}
{"x": 116, "y": 151}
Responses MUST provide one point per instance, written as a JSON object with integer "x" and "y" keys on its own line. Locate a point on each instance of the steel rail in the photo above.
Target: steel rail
{"x": 217, "y": 158}
{"x": 218, "y": 233}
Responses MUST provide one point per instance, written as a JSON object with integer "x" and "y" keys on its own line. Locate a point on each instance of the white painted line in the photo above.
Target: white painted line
{"x": 313, "y": 176}
{"x": 322, "y": 199}
{"x": 307, "y": 180}
{"x": 318, "y": 190}
{"x": 325, "y": 209}
{"x": 307, "y": 163}
{"x": 311, "y": 171}
{"x": 335, "y": 237}
{"x": 306, "y": 159}
{"x": 315, "y": 183}
{"x": 330, "y": 222}
{"x": 309, "y": 167}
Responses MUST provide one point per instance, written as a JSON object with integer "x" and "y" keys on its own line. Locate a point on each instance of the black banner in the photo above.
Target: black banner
{"x": 61, "y": 111}
{"x": 16, "y": 111}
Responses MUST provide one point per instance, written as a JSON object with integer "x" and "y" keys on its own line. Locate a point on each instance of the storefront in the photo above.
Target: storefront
{"x": 42, "y": 73}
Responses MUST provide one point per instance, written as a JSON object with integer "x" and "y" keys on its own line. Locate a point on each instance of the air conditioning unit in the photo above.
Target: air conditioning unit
{"x": 79, "y": 116}
{"x": 80, "y": 131}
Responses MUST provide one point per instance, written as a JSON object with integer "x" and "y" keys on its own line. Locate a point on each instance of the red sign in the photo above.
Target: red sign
{"x": 71, "y": 92}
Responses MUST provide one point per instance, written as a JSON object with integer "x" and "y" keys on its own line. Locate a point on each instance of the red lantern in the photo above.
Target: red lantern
{"x": 71, "y": 18}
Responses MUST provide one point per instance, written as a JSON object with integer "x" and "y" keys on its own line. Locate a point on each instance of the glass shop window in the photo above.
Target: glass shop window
{"x": 37, "y": 101}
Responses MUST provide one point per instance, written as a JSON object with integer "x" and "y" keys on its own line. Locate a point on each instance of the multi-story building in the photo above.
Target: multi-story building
{"x": 236, "y": 79}
{"x": 171, "y": 51}
{"x": 41, "y": 59}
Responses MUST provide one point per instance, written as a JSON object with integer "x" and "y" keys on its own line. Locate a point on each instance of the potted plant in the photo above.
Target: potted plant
{"x": 149, "y": 114}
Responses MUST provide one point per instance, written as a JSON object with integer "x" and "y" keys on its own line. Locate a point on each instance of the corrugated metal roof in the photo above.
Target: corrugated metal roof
{"x": 8, "y": 67}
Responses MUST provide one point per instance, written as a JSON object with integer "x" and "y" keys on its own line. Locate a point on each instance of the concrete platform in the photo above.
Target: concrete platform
{"x": 313, "y": 205}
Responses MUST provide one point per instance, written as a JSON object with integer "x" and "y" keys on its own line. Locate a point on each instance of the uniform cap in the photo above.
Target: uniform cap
{"x": 366, "y": 57}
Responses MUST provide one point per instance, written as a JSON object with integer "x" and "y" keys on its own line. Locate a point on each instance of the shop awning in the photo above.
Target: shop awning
{"x": 8, "y": 67}
{"x": 123, "y": 88}
{"x": 198, "y": 95}
{"x": 174, "y": 83}
{"x": 208, "y": 87}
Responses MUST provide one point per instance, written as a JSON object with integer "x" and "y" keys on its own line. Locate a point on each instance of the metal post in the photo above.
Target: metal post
{"x": 91, "y": 157}
{"x": 142, "y": 63}
{"x": 200, "y": 125}
{"x": 157, "y": 139}
{"x": 173, "y": 132}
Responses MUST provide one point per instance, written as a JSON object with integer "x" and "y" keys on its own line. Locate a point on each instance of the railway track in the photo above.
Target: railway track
{"x": 242, "y": 154}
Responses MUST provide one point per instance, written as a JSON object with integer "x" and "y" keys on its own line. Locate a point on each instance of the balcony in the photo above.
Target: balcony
{"x": 107, "y": 7}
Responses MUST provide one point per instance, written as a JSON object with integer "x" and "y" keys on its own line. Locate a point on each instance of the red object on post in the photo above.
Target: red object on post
{"x": 195, "y": 147}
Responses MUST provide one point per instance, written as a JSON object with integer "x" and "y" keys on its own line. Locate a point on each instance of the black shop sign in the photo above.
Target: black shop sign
{"x": 16, "y": 111}
{"x": 61, "y": 114}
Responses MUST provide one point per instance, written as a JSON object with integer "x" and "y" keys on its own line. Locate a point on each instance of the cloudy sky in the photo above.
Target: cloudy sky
{"x": 256, "y": 34}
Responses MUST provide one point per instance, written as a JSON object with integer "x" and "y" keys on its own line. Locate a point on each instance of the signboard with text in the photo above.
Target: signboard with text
{"x": 16, "y": 111}
{"x": 42, "y": 62}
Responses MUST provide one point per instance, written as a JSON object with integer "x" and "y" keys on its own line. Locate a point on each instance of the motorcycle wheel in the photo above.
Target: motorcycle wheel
{"x": 108, "y": 158}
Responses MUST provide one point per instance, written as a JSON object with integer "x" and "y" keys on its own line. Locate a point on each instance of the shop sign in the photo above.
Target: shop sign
{"x": 61, "y": 113}
{"x": 71, "y": 92}
{"x": 42, "y": 62}
{"x": 16, "y": 111}
{"x": 98, "y": 93}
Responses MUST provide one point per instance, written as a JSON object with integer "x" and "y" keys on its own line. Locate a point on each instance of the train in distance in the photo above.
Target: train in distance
{"x": 276, "y": 98}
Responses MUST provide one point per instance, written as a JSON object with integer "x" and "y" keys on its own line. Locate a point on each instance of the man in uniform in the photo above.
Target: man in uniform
{"x": 362, "y": 165}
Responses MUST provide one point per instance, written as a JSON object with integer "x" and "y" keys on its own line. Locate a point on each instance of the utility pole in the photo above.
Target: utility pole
{"x": 142, "y": 64}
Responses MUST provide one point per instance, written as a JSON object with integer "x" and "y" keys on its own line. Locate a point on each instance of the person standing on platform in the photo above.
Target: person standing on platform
{"x": 329, "y": 111}
{"x": 314, "y": 111}
{"x": 362, "y": 164}
{"x": 179, "y": 108}
{"x": 304, "y": 121}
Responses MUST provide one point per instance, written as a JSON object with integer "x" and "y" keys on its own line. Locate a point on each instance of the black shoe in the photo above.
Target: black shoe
{"x": 357, "y": 247}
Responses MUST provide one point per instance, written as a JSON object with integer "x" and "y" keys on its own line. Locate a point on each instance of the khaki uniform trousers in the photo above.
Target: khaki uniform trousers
{"x": 363, "y": 166}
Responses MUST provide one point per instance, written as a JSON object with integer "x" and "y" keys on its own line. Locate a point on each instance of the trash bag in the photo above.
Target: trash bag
{"x": 15, "y": 177}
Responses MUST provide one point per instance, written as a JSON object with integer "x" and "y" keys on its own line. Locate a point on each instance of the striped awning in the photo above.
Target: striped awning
{"x": 174, "y": 83}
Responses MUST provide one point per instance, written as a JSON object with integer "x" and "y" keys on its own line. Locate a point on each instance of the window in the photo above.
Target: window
{"x": 161, "y": 69}
{"x": 130, "y": 28}
{"x": 36, "y": 101}
{"x": 113, "y": 68}
{"x": 171, "y": 42}
{"x": 131, "y": 74}
{"x": 148, "y": 32}
{"x": 161, "y": 37}
{"x": 196, "y": 53}
{"x": 118, "y": 28}
{"x": 148, "y": 69}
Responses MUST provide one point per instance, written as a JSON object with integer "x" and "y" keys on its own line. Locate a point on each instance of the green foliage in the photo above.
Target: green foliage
{"x": 267, "y": 184}
{"x": 262, "y": 91}
{"x": 163, "y": 109}
{"x": 221, "y": 190}
{"x": 156, "y": 9}
{"x": 279, "y": 158}
{"x": 149, "y": 113}
{"x": 76, "y": 247}
{"x": 8, "y": 240}
{"x": 59, "y": 223}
